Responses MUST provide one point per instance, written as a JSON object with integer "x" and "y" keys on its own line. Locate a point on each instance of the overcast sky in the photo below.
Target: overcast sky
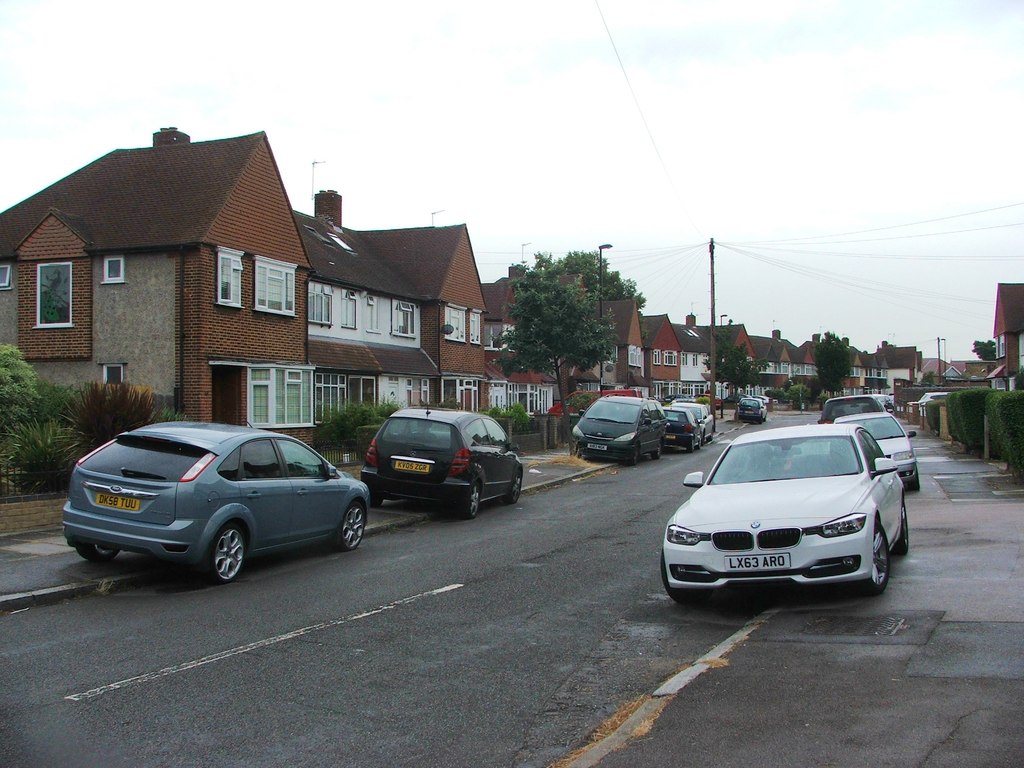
{"x": 858, "y": 162}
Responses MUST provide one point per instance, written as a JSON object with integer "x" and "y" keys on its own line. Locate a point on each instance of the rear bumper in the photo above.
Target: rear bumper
{"x": 451, "y": 491}
{"x": 177, "y": 542}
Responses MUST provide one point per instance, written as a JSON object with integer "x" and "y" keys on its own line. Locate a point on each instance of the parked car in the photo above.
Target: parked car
{"x": 621, "y": 429}
{"x": 808, "y": 504}
{"x": 835, "y": 407}
{"x": 703, "y": 415}
{"x": 887, "y": 401}
{"x": 930, "y": 397}
{"x": 459, "y": 458}
{"x": 683, "y": 430}
{"x": 210, "y": 496}
{"x": 895, "y": 441}
{"x": 751, "y": 409}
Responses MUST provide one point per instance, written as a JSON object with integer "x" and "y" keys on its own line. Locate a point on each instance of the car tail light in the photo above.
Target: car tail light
{"x": 197, "y": 469}
{"x": 460, "y": 463}
{"x": 688, "y": 428}
{"x": 371, "y": 454}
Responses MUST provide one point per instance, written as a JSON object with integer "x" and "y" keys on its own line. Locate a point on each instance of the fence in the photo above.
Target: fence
{"x": 16, "y": 483}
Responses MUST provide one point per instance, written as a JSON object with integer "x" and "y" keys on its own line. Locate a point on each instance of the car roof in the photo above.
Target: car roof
{"x": 204, "y": 434}
{"x": 446, "y": 415}
{"x": 850, "y": 397}
{"x": 624, "y": 399}
{"x": 805, "y": 430}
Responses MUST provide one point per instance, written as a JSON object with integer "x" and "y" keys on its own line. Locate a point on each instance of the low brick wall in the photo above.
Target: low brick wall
{"x": 30, "y": 513}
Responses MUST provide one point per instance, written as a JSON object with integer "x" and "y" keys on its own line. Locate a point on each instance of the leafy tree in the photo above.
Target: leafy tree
{"x": 732, "y": 366}
{"x": 928, "y": 378}
{"x": 19, "y": 388}
{"x": 585, "y": 264}
{"x": 555, "y": 328}
{"x": 985, "y": 350}
{"x": 832, "y": 358}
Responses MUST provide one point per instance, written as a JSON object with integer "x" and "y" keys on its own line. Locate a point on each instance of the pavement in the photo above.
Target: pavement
{"x": 38, "y": 567}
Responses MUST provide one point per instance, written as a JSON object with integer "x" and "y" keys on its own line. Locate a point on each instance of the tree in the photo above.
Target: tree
{"x": 928, "y": 379}
{"x": 832, "y": 358}
{"x": 585, "y": 264}
{"x": 985, "y": 350}
{"x": 732, "y": 366}
{"x": 18, "y": 388}
{"x": 554, "y": 329}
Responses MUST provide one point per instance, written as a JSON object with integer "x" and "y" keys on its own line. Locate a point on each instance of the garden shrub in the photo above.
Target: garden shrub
{"x": 42, "y": 454}
{"x": 967, "y": 417}
{"x": 98, "y": 413}
{"x": 1010, "y": 413}
{"x": 19, "y": 388}
{"x": 341, "y": 424}
{"x": 515, "y": 415}
{"x": 996, "y": 432}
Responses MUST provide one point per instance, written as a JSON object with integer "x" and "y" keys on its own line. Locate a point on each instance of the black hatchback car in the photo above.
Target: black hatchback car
{"x": 456, "y": 457}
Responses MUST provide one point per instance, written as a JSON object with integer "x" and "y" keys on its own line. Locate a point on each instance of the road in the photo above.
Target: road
{"x": 507, "y": 640}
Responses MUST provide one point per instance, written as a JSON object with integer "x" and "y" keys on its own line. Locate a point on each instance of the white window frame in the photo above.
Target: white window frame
{"x": 456, "y": 318}
{"x": 634, "y": 357}
{"x": 39, "y": 295}
{"x": 273, "y": 277}
{"x": 6, "y": 276}
{"x": 285, "y": 396}
{"x": 347, "y": 315}
{"x": 321, "y": 297}
{"x": 330, "y": 393}
{"x": 407, "y": 310}
{"x": 109, "y": 368}
{"x": 656, "y": 357}
{"x": 229, "y": 276}
{"x": 372, "y": 314}
{"x": 474, "y": 326}
{"x": 108, "y": 269}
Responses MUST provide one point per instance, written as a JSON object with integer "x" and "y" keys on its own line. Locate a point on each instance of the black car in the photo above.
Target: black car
{"x": 456, "y": 457}
{"x": 835, "y": 407}
{"x": 683, "y": 430}
{"x": 750, "y": 409}
{"x": 618, "y": 428}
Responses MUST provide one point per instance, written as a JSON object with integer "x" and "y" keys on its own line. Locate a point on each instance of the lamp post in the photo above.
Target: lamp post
{"x": 600, "y": 303}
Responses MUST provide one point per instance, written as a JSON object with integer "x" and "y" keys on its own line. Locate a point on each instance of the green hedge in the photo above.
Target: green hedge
{"x": 996, "y": 433}
{"x": 967, "y": 416}
{"x": 931, "y": 413}
{"x": 1009, "y": 414}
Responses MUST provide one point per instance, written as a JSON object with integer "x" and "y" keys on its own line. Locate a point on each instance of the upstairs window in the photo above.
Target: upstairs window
{"x": 5, "y": 276}
{"x": 113, "y": 269}
{"x": 53, "y": 294}
{"x": 320, "y": 303}
{"x": 671, "y": 357}
{"x": 456, "y": 318}
{"x": 347, "y": 318}
{"x": 474, "y": 327}
{"x": 656, "y": 355}
{"x": 634, "y": 355}
{"x": 404, "y": 321}
{"x": 372, "y": 315}
{"x": 229, "y": 277}
{"x": 275, "y": 287}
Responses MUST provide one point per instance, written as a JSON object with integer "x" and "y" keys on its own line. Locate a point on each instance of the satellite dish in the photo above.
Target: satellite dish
{"x": 609, "y": 368}
{"x": 447, "y": 329}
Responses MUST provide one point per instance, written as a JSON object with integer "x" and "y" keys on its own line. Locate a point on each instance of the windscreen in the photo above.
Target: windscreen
{"x": 609, "y": 410}
{"x": 788, "y": 459}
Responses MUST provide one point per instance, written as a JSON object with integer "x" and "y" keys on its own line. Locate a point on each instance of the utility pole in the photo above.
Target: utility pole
{"x": 714, "y": 352}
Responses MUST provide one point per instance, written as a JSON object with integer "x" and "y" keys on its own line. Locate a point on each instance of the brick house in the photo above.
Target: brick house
{"x": 1008, "y": 331}
{"x": 627, "y": 366}
{"x": 695, "y": 346}
{"x": 178, "y": 267}
{"x": 662, "y": 351}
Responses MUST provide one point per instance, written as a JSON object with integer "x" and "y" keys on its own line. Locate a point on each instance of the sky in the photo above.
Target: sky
{"x": 857, "y": 162}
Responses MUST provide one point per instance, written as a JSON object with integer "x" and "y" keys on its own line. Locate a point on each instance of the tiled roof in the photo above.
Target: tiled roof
{"x": 113, "y": 199}
{"x": 497, "y": 297}
{"x": 692, "y": 338}
{"x": 1009, "y": 317}
{"x": 624, "y": 313}
{"x": 370, "y": 358}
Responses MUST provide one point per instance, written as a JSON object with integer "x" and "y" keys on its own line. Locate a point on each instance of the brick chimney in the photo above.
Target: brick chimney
{"x": 816, "y": 338}
{"x": 691, "y": 320}
{"x": 167, "y": 136}
{"x": 516, "y": 271}
{"x": 777, "y": 335}
{"x": 327, "y": 206}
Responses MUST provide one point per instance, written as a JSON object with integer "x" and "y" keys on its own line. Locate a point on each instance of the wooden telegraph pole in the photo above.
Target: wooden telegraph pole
{"x": 714, "y": 353}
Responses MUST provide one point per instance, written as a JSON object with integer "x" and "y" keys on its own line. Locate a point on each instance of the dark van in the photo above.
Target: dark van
{"x": 621, "y": 429}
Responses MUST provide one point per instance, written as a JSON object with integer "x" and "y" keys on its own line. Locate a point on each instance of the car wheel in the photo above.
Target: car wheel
{"x": 876, "y": 583}
{"x": 683, "y": 596}
{"x": 471, "y": 501}
{"x": 902, "y": 544}
{"x": 915, "y": 482}
{"x": 656, "y": 453}
{"x": 227, "y": 554}
{"x": 352, "y": 527}
{"x": 634, "y": 458}
{"x": 96, "y": 553}
{"x": 514, "y": 490}
{"x": 698, "y": 442}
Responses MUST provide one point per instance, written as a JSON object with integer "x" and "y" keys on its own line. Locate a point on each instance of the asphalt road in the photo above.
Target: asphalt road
{"x": 507, "y": 640}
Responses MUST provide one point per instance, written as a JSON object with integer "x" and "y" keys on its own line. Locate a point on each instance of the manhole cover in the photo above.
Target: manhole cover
{"x": 860, "y": 626}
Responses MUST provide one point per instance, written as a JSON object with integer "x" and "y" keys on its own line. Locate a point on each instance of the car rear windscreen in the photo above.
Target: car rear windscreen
{"x": 141, "y": 457}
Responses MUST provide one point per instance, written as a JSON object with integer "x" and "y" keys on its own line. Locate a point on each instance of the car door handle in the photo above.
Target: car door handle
{"x": 253, "y": 495}
{"x": 300, "y": 492}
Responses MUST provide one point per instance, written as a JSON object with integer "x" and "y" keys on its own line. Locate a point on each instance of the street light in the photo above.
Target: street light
{"x": 600, "y": 302}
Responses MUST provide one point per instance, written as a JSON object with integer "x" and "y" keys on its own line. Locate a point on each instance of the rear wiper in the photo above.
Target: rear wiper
{"x": 125, "y": 472}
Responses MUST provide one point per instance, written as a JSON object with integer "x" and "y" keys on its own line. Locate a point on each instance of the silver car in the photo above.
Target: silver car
{"x": 894, "y": 441}
{"x": 209, "y": 496}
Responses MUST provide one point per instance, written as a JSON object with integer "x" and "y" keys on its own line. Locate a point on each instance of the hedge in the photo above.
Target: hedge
{"x": 1009, "y": 414}
{"x": 967, "y": 416}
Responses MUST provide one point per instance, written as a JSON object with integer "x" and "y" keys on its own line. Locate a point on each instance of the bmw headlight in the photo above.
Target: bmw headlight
{"x": 844, "y": 526}
{"x": 676, "y": 534}
{"x": 624, "y": 438}
{"x": 902, "y": 455}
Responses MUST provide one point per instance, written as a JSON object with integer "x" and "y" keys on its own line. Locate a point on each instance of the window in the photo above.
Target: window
{"x": 5, "y": 276}
{"x": 229, "y": 277}
{"x": 634, "y": 355}
{"x": 320, "y": 303}
{"x": 492, "y": 335}
{"x": 275, "y": 287}
{"x": 53, "y": 294}
{"x": 329, "y": 394}
{"x": 474, "y": 327}
{"x": 694, "y": 361}
{"x": 456, "y": 318}
{"x": 656, "y": 355}
{"x": 113, "y": 374}
{"x": 347, "y": 318}
{"x": 372, "y": 315}
{"x": 280, "y": 397}
{"x": 299, "y": 461}
{"x": 113, "y": 269}
{"x": 362, "y": 389}
{"x": 404, "y": 322}
{"x": 671, "y": 358}
{"x": 417, "y": 391}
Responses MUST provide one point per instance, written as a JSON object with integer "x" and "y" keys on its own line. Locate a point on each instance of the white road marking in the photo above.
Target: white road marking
{"x": 185, "y": 666}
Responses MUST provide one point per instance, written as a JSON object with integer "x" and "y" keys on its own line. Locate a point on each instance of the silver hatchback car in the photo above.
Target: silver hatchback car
{"x": 209, "y": 496}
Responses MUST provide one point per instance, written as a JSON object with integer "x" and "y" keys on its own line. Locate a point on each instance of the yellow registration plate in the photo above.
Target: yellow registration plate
{"x": 412, "y": 466}
{"x": 118, "y": 502}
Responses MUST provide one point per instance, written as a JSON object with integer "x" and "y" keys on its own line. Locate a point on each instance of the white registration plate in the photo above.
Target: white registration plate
{"x": 771, "y": 562}
{"x": 596, "y": 447}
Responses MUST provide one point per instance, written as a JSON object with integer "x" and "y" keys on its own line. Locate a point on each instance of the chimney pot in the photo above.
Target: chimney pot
{"x": 327, "y": 206}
